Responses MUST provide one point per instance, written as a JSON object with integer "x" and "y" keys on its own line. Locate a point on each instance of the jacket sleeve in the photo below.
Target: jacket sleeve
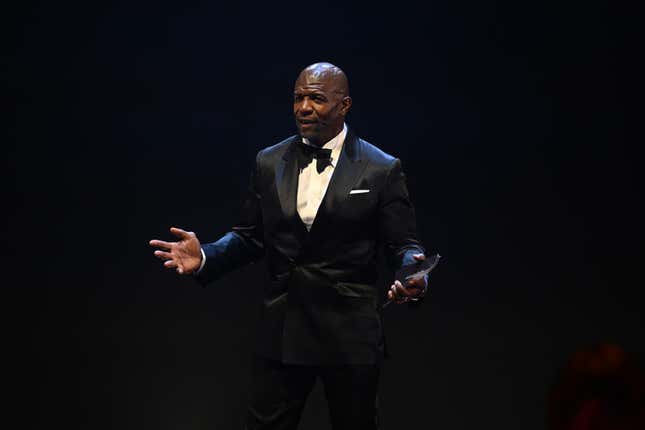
{"x": 244, "y": 243}
{"x": 397, "y": 220}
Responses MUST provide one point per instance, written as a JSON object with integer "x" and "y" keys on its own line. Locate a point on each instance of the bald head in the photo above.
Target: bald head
{"x": 329, "y": 73}
{"x": 320, "y": 102}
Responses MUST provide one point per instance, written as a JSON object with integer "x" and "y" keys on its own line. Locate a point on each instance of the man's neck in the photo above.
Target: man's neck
{"x": 321, "y": 142}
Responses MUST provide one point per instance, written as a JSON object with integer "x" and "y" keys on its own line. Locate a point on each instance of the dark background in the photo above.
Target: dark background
{"x": 512, "y": 120}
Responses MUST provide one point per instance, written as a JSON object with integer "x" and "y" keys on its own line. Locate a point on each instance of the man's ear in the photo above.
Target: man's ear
{"x": 347, "y": 103}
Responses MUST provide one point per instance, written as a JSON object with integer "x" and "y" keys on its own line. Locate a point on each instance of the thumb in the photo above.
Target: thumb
{"x": 419, "y": 257}
{"x": 182, "y": 234}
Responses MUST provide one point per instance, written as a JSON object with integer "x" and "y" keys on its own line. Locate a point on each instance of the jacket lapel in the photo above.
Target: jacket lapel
{"x": 346, "y": 174}
{"x": 286, "y": 179}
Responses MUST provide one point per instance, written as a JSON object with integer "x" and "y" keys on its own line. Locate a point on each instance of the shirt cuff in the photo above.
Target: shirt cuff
{"x": 203, "y": 262}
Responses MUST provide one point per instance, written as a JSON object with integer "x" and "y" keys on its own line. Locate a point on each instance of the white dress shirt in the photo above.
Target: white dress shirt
{"x": 312, "y": 185}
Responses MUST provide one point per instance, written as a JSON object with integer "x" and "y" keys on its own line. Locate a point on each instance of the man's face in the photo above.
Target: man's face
{"x": 319, "y": 107}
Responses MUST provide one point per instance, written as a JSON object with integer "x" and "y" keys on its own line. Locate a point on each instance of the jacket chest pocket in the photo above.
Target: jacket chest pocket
{"x": 359, "y": 206}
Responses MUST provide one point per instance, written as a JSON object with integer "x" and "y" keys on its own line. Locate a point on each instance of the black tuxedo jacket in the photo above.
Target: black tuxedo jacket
{"x": 320, "y": 302}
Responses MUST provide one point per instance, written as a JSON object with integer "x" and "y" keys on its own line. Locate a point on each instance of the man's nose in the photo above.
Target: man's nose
{"x": 305, "y": 107}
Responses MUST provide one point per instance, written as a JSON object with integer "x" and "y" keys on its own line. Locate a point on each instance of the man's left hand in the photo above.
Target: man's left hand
{"x": 414, "y": 289}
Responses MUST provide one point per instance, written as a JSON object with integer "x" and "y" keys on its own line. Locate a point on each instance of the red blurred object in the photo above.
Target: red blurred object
{"x": 600, "y": 388}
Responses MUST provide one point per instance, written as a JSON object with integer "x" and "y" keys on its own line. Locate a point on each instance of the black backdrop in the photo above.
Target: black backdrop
{"x": 512, "y": 120}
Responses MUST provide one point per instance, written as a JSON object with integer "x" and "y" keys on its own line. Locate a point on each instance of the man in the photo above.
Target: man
{"x": 319, "y": 205}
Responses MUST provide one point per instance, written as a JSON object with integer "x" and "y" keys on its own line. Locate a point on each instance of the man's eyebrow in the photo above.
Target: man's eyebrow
{"x": 311, "y": 91}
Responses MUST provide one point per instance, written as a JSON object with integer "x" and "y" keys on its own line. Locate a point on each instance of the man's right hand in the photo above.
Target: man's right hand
{"x": 184, "y": 256}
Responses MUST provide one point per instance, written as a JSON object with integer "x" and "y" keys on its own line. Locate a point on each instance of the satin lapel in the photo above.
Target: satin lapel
{"x": 346, "y": 174}
{"x": 286, "y": 178}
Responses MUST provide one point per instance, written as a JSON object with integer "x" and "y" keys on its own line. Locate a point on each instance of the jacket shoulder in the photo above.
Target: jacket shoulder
{"x": 376, "y": 155}
{"x": 275, "y": 152}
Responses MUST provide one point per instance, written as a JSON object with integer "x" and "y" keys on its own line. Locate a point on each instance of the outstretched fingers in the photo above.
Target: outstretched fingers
{"x": 161, "y": 244}
{"x": 180, "y": 255}
{"x": 174, "y": 264}
{"x": 182, "y": 234}
{"x": 163, "y": 255}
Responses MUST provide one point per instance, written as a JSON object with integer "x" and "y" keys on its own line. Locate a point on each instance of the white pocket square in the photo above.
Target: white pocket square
{"x": 359, "y": 191}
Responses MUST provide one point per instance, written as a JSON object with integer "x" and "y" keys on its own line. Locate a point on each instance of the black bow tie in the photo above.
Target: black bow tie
{"x": 306, "y": 154}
